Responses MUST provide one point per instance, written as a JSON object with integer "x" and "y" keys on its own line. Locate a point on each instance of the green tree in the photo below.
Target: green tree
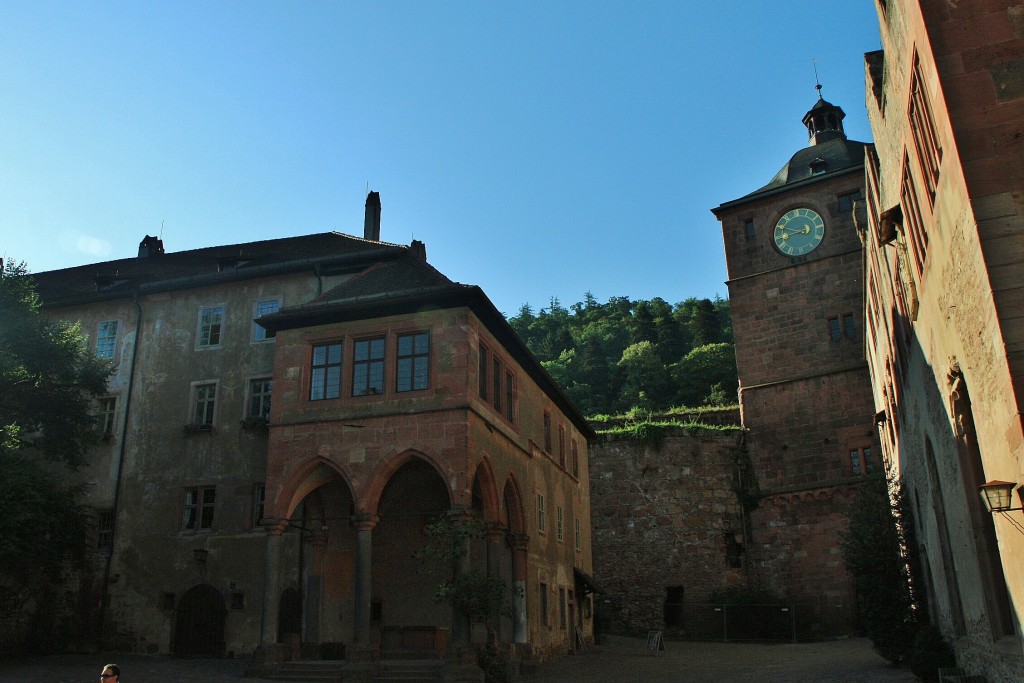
{"x": 875, "y": 552}
{"x": 698, "y": 373}
{"x": 522, "y": 321}
{"x": 644, "y": 383}
{"x": 48, "y": 380}
{"x": 642, "y": 328}
{"x": 585, "y": 347}
{"x": 47, "y": 377}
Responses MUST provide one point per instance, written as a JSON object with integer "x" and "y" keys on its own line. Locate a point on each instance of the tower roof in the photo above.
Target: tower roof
{"x": 828, "y": 152}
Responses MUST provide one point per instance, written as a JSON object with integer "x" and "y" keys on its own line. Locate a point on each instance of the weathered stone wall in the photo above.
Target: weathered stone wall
{"x": 664, "y": 516}
{"x": 945, "y": 341}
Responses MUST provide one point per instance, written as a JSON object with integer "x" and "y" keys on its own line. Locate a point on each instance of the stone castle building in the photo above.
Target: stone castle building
{"x": 285, "y": 419}
{"x": 943, "y": 250}
{"x": 795, "y": 280}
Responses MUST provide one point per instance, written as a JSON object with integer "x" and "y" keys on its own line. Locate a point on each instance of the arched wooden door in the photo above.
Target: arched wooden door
{"x": 199, "y": 627}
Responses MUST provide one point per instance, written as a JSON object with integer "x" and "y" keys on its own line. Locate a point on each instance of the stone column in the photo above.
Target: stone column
{"x": 364, "y": 525}
{"x": 495, "y": 547}
{"x": 460, "y": 567}
{"x": 496, "y": 533}
{"x": 271, "y": 582}
{"x": 520, "y": 624}
{"x": 313, "y": 595}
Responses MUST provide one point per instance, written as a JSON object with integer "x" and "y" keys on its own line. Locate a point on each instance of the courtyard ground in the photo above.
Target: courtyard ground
{"x": 616, "y": 660}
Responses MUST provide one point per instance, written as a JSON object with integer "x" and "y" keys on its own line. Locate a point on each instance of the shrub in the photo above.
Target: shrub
{"x": 875, "y": 554}
{"x": 929, "y": 653}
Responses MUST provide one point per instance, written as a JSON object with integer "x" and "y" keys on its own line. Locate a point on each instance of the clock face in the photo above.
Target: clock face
{"x": 799, "y": 232}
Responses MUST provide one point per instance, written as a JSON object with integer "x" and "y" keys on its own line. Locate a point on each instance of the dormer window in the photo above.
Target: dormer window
{"x": 228, "y": 264}
{"x": 818, "y": 166}
{"x": 107, "y": 282}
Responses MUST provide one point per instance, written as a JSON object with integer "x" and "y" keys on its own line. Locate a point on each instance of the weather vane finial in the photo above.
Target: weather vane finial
{"x": 817, "y": 83}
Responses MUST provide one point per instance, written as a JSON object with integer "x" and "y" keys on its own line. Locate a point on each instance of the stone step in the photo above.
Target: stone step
{"x": 309, "y": 671}
{"x": 409, "y": 671}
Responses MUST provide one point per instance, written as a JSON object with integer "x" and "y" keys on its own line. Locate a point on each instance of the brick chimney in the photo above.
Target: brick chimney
{"x": 371, "y": 224}
{"x": 151, "y": 246}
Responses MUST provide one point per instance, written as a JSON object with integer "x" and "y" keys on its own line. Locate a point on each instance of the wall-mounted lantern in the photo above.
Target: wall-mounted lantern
{"x": 998, "y": 496}
{"x": 200, "y": 555}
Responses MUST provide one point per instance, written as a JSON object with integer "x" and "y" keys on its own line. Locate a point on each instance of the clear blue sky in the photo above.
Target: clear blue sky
{"x": 539, "y": 149}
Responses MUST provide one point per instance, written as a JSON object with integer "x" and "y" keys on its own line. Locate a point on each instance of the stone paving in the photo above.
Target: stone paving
{"x": 616, "y": 660}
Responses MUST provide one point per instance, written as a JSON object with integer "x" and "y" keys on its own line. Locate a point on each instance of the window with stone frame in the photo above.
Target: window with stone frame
{"x": 922, "y": 125}
{"x": 547, "y": 431}
{"x": 575, "y": 451}
{"x": 559, "y": 523}
{"x": 412, "y": 362}
{"x": 198, "y": 508}
{"x": 368, "y": 367}
{"x": 325, "y": 373}
{"x": 264, "y": 307}
{"x": 579, "y": 536}
{"x": 106, "y": 339}
{"x": 561, "y": 446}
{"x": 260, "y": 391}
{"x": 542, "y": 594}
{"x": 496, "y": 377}
{"x": 913, "y": 224}
{"x": 259, "y": 498}
{"x": 510, "y": 396}
{"x": 105, "y": 408}
{"x": 541, "y": 514}
{"x": 105, "y": 530}
{"x": 211, "y": 320}
{"x": 835, "y": 332}
{"x": 204, "y": 403}
{"x": 861, "y": 461}
{"x": 849, "y": 326}
{"x": 482, "y": 372}
{"x": 848, "y": 199}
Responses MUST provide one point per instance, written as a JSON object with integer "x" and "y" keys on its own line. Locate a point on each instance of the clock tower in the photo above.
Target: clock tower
{"x": 795, "y": 286}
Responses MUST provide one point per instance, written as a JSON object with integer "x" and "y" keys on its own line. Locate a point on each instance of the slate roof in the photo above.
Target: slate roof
{"x": 202, "y": 267}
{"x": 837, "y": 154}
{"x": 386, "y": 279}
{"x": 409, "y": 284}
{"x": 407, "y": 273}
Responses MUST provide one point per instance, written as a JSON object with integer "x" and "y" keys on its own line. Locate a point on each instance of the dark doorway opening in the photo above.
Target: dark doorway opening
{"x": 674, "y": 607}
{"x": 199, "y": 628}
{"x": 289, "y": 616}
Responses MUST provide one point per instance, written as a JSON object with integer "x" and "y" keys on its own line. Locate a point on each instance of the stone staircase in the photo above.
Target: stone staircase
{"x": 332, "y": 671}
{"x": 409, "y": 670}
{"x": 309, "y": 671}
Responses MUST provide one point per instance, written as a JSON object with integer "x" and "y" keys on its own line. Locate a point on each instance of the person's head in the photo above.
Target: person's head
{"x": 111, "y": 673}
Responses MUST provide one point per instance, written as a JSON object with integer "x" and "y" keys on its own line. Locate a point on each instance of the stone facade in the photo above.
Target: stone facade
{"x": 238, "y": 509}
{"x": 796, "y": 296}
{"x": 668, "y": 528}
{"x": 942, "y": 234}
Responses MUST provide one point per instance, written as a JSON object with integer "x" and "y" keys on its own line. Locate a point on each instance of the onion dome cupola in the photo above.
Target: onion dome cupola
{"x": 824, "y": 121}
{"x": 828, "y": 151}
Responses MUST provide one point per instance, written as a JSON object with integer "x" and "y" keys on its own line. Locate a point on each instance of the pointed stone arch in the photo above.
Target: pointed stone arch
{"x": 484, "y": 482}
{"x": 513, "y": 512}
{"x": 514, "y": 517}
{"x": 369, "y": 499}
{"x": 305, "y": 479}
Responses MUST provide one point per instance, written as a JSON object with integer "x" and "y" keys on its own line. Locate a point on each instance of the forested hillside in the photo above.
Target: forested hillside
{"x": 648, "y": 355}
